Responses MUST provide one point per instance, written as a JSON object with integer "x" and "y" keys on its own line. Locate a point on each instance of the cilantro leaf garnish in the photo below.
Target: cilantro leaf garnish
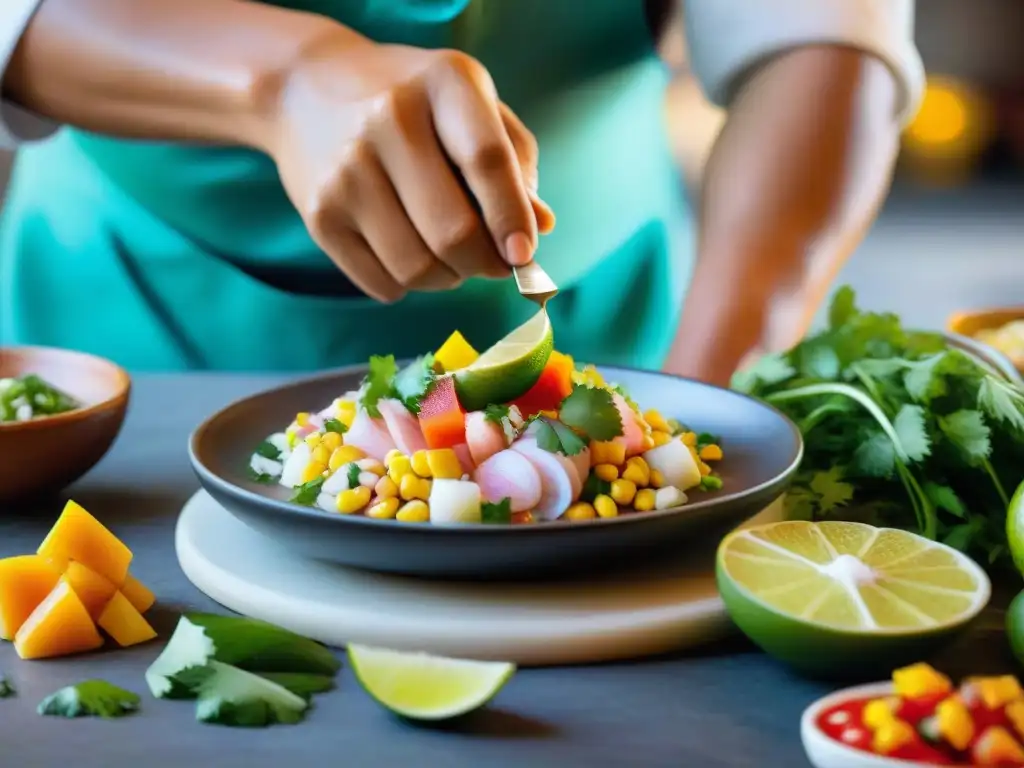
{"x": 268, "y": 450}
{"x": 353, "y": 474}
{"x": 259, "y": 477}
{"x": 592, "y": 412}
{"x": 414, "y": 382}
{"x": 307, "y": 493}
{"x": 495, "y": 413}
{"x": 555, "y": 437}
{"x": 499, "y": 513}
{"x": 335, "y": 425}
{"x": 6, "y": 687}
{"x": 92, "y": 698}
{"x": 378, "y": 383}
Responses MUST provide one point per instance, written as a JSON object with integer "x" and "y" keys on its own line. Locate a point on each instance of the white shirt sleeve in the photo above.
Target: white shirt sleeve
{"x": 17, "y": 125}
{"x": 727, "y": 39}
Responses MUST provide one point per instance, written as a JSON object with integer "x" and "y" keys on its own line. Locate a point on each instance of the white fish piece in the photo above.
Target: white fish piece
{"x": 454, "y": 501}
{"x": 291, "y": 473}
{"x": 675, "y": 463}
{"x": 509, "y": 475}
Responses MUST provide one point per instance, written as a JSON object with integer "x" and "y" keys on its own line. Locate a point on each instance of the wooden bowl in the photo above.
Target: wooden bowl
{"x": 969, "y": 322}
{"x": 44, "y": 455}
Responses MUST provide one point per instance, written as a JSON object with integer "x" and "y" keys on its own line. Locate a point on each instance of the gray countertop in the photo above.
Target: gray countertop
{"x": 725, "y": 706}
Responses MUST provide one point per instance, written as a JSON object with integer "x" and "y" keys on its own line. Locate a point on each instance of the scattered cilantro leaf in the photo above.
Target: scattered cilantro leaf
{"x": 301, "y": 683}
{"x": 706, "y": 438}
{"x": 92, "y": 698}
{"x": 591, "y": 412}
{"x": 234, "y": 697}
{"x": 495, "y": 413}
{"x": 909, "y": 425}
{"x": 6, "y": 687}
{"x": 830, "y": 489}
{"x": 259, "y": 477}
{"x": 353, "y": 474}
{"x": 268, "y": 450}
{"x": 497, "y": 514}
{"x": 555, "y": 437}
{"x": 307, "y": 493}
{"x": 378, "y": 383}
{"x": 968, "y": 432}
{"x": 335, "y": 425}
{"x": 594, "y": 486}
{"x": 414, "y": 382}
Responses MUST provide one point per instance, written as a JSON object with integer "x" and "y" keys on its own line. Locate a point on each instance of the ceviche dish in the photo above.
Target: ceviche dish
{"x": 518, "y": 434}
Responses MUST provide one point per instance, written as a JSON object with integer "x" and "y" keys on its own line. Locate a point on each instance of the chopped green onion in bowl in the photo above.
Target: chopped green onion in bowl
{"x": 29, "y": 397}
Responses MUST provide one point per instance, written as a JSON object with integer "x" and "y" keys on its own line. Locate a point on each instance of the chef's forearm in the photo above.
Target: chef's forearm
{"x": 161, "y": 69}
{"x": 794, "y": 180}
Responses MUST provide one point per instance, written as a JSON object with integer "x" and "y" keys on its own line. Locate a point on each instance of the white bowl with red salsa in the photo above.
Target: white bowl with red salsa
{"x": 918, "y": 718}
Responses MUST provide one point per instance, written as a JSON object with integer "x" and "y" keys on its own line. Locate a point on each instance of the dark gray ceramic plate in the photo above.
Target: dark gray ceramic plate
{"x": 762, "y": 451}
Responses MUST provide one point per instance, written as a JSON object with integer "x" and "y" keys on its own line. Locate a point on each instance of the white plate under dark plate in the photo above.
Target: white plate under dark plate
{"x": 762, "y": 452}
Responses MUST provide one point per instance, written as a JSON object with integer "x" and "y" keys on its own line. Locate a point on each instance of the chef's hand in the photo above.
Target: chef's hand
{"x": 407, "y": 169}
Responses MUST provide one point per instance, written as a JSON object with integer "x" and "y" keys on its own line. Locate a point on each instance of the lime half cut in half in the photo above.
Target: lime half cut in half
{"x": 509, "y": 368}
{"x": 424, "y": 687}
{"x": 837, "y": 599}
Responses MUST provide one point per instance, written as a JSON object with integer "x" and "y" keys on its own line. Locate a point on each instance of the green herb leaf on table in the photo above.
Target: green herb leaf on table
{"x": 591, "y": 412}
{"x": 232, "y": 696}
{"x": 378, "y": 384}
{"x": 6, "y": 687}
{"x": 92, "y": 698}
{"x": 353, "y": 474}
{"x": 497, "y": 514}
{"x": 308, "y": 492}
{"x": 555, "y": 437}
{"x": 300, "y": 683}
{"x": 414, "y": 382}
{"x": 335, "y": 425}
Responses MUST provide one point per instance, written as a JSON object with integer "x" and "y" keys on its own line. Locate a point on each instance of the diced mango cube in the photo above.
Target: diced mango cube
{"x": 444, "y": 464}
{"x": 77, "y": 535}
{"x": 954, "y": 722}
{"x": 455, "y": 353}
{"x": 996, "y": 692}
{"x": 59, "y": 626}
{"x": 1015, "y": 714}
{"x": 879, "y": 712}
{"x": 123, "y": 623}
{"x": 920, "y": 680}
{"x": 25, "y": 581}
{"x": 92, "y": 589}
{"x": 996, "y": 746}
{"x": 892, "y": 735}
{"x": 138, "y": 594}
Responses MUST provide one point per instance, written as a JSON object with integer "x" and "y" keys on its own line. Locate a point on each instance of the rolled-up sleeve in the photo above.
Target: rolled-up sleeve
{"x": 728, "y": 39}
{"x": 17, "y": 125}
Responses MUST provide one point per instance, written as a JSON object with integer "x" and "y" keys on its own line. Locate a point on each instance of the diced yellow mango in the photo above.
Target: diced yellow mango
{"x": 138, "y": 594}
{"x": 954, "y": 722}
{"x": 879, "y": 712}
{"x": 455, "y": 353}
{"x": 25, "y": 581}
{"x": 59, "y": 626}
{"x": 92, "y": 589}
{"x": 919, "y": 680}
{"x": 77, "y": 535}
{"x": 123, "y": 623}
{"x": 996, "y": 746}
{"x": 1015, "y": 714}
{"x": 892, "y": 735}
{"x": 996, "y": 692}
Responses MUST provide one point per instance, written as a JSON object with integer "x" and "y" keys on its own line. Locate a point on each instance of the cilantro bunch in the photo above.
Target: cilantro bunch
{"x": 901, "y": 429}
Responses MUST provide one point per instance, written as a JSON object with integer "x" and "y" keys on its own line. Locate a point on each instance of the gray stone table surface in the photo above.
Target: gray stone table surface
{"x": 722, "y": 706}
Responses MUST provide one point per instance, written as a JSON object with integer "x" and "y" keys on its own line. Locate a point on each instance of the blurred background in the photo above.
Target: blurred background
{"x": 952, "y": 232}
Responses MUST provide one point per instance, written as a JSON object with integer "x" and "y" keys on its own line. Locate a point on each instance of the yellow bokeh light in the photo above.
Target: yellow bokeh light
{"x": 943, "y": 116}
{"x": 954, "y": 121}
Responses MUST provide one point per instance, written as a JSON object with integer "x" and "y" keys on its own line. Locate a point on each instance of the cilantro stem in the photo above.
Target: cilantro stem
{"x": 853, "y": 393}
{"x": 816, "y": 416}
{"x": 927, "y": 519}
{"x": 868, "y": 384}
{"x": 987, "y": 465}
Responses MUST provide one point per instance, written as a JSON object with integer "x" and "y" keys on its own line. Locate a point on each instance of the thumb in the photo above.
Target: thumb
{"x": 525, "y": 146}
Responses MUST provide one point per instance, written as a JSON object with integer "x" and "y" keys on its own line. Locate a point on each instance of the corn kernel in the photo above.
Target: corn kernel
{"x": 313, "y": 439}
{"x": 581, "y": 510}
{"x": 607, "y": 453}
{"x": 878, "y": 712}
{"x": 710, "y": 452}
{"x": 637, "y": 472}
{"x": 321, "y": 455}
{"x": 353, "y": 500}
{"x": 656, "y": 421}
{"x": 605, "y": 506}
{"x": 892, "y": 735}
{"x": 399, "y": 467}
{"x": 996, "y": 746}
{"x": 385, "y": 488}
{"x": 390, "y": 456}
{"x": 955, "y": 723}
{"x": 1015, "y": 714}
{"x": 646, "y": 443}
{"x": 302, "y": 419}
{"x": 644, "y": 501}
{"x": 415, "y": 511}
{"x": 372, "y": 466}
{"x": 607, "y": 472}
{"x": 312, "y": 471}
{"x": 689, "y": 439}
{"x": 385, "y": 509}
{"x": 919, "y": 680}
{"x": 657, "y": 479}
{"x": 346, "y": 411}
{"x": 660, "y": 438}
{"x": 444, "y": 464}
{"x": 418, "y": 462}
{"x": 623, "y": 492}
{"x": 331, "y": 441}
{"x": 344, "y": 454}
{"x": 997, "y": 692}
{"x": 412, "y": 487}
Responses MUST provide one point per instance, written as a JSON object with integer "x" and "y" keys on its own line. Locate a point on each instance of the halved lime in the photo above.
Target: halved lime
{"x": 425, "y": 687}
{"x": 838, "y": 599}
{"x": 509, "y": 368}
{"x": 1015, "y": 527}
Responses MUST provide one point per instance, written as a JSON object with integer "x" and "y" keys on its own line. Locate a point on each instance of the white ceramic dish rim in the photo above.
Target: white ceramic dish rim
{"x": 835, "y": 754}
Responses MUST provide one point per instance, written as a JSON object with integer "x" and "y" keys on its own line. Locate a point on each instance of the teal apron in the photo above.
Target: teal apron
{"x": 155, "y": 254}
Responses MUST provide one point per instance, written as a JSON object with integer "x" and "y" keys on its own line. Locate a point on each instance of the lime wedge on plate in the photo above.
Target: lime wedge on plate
{"x": 1015, "y": 528}
{"x": 424, "y": 687}
{"x": 837, "y": 600}
{"x": 509, "y": 368}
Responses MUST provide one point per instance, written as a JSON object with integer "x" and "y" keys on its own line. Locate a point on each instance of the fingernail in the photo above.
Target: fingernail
{"x": 518, "y": 249}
